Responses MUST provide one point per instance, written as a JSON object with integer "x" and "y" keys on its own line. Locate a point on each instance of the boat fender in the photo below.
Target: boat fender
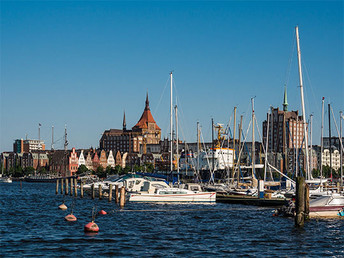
{"x": 341, "y": 213}
{"x": 91, "y": 227}
{"x": 102, "y": 212}
{"x": 70, "y": 217}
{"x": 63, "y": 207}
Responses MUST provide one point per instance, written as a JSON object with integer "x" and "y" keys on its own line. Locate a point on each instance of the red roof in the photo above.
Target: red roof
{"x": 146, "y": 118}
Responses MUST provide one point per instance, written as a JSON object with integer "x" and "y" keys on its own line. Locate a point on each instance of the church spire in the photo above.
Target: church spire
{"x": 124, "y": 123}
{"x": 147, "y": 103}
{"x": 285, "y": 102}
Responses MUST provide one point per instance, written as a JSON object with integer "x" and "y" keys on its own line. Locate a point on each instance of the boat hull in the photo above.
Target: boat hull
{"x": 197, "y": 197}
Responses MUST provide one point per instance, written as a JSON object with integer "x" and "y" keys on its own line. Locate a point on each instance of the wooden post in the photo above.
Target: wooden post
{"x": 93, "y": 194}
{"x": 81, "y": 189}
{"x": 61, "y": 185}
{"x": 75, "y": 187}
{"x": 71, "y": 186}
{"x": 57, "y": 186}
{"x": 116, "y": 194}
{"x": 66, "y": 188}
{"x": 100, "y": 192}
{"x": 21, "y": 186}
{"x": 300, "y": 202}
{"x": 306, "y": 202}
{"x": 110, "y": 192}
{"x": 122, "y": 199}
{"x": 338, "y": 187}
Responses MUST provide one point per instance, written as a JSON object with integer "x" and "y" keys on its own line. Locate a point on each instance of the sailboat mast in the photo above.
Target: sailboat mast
{"x": 253, "y": 145}
{"x": 311, "y": 148}
{"x": 197, "y": 148}
{"x": 330, "y": 137}
{"x": 234, "y": 123}
{"x": 341, "y": 149}
{"x": 52, "y": 138}
{"x": 212, "y": 143}
{"x": 177, "y": 151}
{"x": 321, "y": 140}
{"x": 238, "y": 160}
{"x": 266, "y": 146}
{"x": 171, "y": 125}
{"x": 302, "y": 102}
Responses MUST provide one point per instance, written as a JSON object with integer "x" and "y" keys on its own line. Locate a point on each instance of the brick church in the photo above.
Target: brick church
{"x": 146, "y": 131}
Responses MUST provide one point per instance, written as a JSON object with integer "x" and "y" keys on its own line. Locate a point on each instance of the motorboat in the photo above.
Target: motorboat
{"x": 5, "y": 179}
{"x": 158, "y": 192}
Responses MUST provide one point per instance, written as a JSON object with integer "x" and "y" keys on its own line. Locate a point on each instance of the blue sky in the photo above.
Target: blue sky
{"x": 84, "y": 63}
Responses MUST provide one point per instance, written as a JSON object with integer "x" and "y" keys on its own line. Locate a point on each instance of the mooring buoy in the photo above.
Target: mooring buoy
{"x": 70, "y": 217}
{"x": 102, "y": 212}
{"x": 63, "y": 207}
{"x": 91, "y": 227}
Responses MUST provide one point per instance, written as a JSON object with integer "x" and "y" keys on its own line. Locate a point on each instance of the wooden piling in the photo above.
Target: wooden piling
{"x": 71, "y": 186}
{"x": 57, "y": 186}
{"x": 300, "y": 202}
{"x": 93, "y": 193}
{"x": 306, "y": 202}
{"x": 81, "y": 189}
{"x": 116, "y": 194}
{"x": 110, "y": 192}
{"x": 66, "y": 186}
{"x": 122, "y": 198}
{"x": 100, "y": 192}
{"x": 62, "y": 186}
{"x": 75, "y": 187}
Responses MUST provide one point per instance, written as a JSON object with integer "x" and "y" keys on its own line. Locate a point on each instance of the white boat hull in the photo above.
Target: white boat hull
{"x": 196, "y": 197}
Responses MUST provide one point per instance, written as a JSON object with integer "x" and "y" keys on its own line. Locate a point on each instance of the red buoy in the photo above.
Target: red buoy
{"x": 91, "y": 227}
{"x": 102, "y": 212}
{"x": 70, "y": 217}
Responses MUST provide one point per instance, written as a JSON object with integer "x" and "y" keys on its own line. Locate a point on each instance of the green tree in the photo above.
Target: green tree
{"x": 81, "y": 169}
{"x": 118, "y": 169}
{"x": 100, "y": 172}
{"x": 29, "y": 170}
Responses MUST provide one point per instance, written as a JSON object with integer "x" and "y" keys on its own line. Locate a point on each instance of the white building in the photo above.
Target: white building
{"x": 325, "y": 158}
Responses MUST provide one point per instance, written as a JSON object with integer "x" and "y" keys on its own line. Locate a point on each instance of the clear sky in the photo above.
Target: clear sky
{"x": 84, "y": 63}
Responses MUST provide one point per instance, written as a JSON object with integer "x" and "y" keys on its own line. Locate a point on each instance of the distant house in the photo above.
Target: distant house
{"x": 103, "y": 159}
{"x": 73, "y": 163}
{"x": 95, "y": 160}
{"x": 89, "y": 160}
{"x": 82, "y": 160}
{"x": 118, "y": 159}
{"x": 111, "y": 159}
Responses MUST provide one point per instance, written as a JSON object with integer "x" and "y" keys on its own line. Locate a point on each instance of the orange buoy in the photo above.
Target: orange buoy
{"x": 63, "y": 207}
{"x": 91, "y": 227}
{"x": 70, "y": 217}
{"x": 102, "y": 212}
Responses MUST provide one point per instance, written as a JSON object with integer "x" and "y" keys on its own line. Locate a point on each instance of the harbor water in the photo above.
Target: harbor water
{"x": 32, "y": 225}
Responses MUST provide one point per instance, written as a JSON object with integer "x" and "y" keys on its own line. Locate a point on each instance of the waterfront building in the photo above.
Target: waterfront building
{"x": 73, "y": 163}
{"x": 20, "y": 145}
{"x": 95, "y": 160}
{"x": 146, "y": 131}
{"x": 111, "y": 159}
{"x": 335, "y": 157}
{"x": 89, "y": 163}
{"x": 82, "y": 160}
{"x": 286, "y": 133}
{"x": 103, "y": 159}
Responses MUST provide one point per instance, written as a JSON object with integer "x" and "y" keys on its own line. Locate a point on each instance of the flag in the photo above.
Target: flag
{"x": 40, "y": 124}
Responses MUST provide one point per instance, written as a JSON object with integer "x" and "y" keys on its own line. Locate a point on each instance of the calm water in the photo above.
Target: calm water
{"x": 32, "y": 225}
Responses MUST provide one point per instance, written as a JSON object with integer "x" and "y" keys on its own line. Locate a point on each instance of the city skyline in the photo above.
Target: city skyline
{"x": 84, "y": 63}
